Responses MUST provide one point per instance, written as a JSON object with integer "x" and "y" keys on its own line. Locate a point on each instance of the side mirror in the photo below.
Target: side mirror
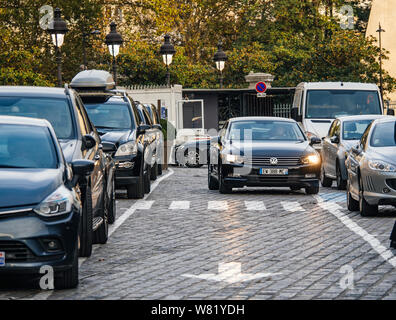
{"x": 157, "y": 126}
{"x": 356, "y": 150}
{"x": 109, "y": 147}
{"x": 315, "y": 140}
{"x": 142, "y": 129}
{"x": 390, "y": 112}
{"x": 81, "y": 168}
{"x": 335, "y": 140}
{"x": 88, "y": 142}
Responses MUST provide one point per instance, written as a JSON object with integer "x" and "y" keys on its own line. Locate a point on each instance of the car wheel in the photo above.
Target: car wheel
{"x": 68, "y": 279}
{"x": 86, "y": 232}
{"x": 193, "y": 158}
{"x": 352, "y": 204}
{"x": 213, "y": 184}
{"x": 136, "y": 191}
{"x": 154, "y": 172}
{"x": 147, "y": 182}
{"x": 111, "y": 205}
{"x": 341, "y": 183}
{"x": 312, "y": 190}
{"x": 222, "y": 187}
{"x": 326, "y": 182}
{"x": 365, "y": 208}
{"x": 102, "y": 233}
{"x": 393, "y": 244}
{"x": 160, "y": 169}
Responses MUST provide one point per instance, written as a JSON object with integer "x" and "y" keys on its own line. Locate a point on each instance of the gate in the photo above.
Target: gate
{"x": 272, "y": 105}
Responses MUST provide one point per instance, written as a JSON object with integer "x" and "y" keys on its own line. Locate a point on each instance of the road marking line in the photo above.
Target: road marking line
{"x": 334, "y": 209}
{"x": 120, "y": 220}
{"x": 179, "y": 205}
{"x": 255, "y": 206}
{"x": 218, "y": 205}
{"x": 292, "y": 206}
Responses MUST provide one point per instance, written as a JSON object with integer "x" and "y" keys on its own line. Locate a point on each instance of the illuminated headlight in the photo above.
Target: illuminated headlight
{"x": 127, "y": 149}
{"x": 381, "y": 166}
{"x": 311, "y": 159}
{"x": 57, "y": 203}
{"x": 233, "y": 158}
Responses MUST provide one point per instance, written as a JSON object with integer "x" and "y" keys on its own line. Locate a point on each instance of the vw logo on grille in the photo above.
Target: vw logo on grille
{"x": 274, "y": 161}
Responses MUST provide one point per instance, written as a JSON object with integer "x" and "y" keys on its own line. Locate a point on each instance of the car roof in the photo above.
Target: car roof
{"x": 24, "y": 121}
{"x": 48, "y": 92}
{"x": 261, "y": 118}
{"x": 385, "y": 119}
{"x": 338, "y": 86}
{"x": 361, "y": 117}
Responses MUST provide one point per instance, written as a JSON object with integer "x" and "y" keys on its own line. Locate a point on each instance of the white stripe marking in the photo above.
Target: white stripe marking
{"x": 292, "y": 206}
{"x": 255, "y": 206}
{"x": 334, "y": 209}
{"x": 218, "y": 205}
{"x": 179, "y": 205}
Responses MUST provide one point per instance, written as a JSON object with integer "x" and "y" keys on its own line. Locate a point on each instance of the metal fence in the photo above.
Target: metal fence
{"x": 282, "y": 110}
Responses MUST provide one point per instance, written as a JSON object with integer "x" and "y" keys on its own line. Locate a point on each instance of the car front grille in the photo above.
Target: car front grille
{"x": 16, "y": 251}
{"x": 266, "y": 161}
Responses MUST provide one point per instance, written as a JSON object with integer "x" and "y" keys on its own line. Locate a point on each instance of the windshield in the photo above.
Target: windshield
{"x": 330, "y": 104}
{"x": 110, "y": 116}
{"x": 265, "y": 130}
{"x": 353, "y": 130}
{"x": 23, "y": 146}
{"x": 56, "y": 111}
{"x": 384, "y": 135}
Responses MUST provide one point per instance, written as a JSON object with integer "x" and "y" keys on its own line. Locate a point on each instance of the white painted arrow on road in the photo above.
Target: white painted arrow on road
{"x": 230, "y": 273}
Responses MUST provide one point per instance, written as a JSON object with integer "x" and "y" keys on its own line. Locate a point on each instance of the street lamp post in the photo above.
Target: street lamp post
{"x": 58, "y": 29}
{"x": 220, "y": 59}
{"x": 167, "y": 51}
{"x": 380, "y": 30}
{"x": 84, "y": 44}
{"x": 114, "y": 41}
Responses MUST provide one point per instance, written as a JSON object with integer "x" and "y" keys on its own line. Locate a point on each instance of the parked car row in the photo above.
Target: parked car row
{"x": 63, "y": 152}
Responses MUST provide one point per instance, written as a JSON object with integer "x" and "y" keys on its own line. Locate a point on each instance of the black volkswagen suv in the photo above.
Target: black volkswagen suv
{"x": 79, "y": 140}
{"x": 116, "y": 118}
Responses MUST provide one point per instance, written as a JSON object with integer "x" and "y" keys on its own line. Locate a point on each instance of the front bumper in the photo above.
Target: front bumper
{"x": 302, "y": 176}
{"x": 127, "y": 171}
{"x": 380, "y": 188}
{"x": 23, "y": 238}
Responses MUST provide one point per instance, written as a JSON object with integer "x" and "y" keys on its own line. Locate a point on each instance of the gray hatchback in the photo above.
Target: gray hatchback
{"x": 371, "y": 166}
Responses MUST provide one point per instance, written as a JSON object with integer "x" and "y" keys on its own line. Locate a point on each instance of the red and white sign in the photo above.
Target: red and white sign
{"x": 261, "y": 87}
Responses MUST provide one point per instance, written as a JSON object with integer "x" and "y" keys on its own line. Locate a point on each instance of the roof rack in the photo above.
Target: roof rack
{"x": 93, "y": 80}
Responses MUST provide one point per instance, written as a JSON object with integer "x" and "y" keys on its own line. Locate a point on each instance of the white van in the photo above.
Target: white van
{"x": 317, "y": 104}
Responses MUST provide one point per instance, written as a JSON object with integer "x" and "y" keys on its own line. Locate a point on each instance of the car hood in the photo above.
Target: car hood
{"x": 318, "y": 127}
{"x": 116, "y": 137}
{"x": 272, "y": 149}
{"x": 385, "y": 153}
{"x": 68, "y": 148}
{"x": 24, "y": 187}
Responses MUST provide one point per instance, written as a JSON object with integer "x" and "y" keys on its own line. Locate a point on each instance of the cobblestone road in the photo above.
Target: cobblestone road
{"x": 186, "y": 242}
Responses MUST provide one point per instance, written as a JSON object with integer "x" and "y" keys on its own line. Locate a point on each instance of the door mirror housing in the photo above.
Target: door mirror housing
{"x": 88, "y": 142}
{"x": 142, "y": 129}
{"x": 335, "y": 140}
{"x": 390, "y": 112}
{"x": 109, "y": 147}
{"x": 81, "y": 168}
{"x": 157, "y": 126}
{"x": 315, "y": 140}
{"x": 356, "y": 150}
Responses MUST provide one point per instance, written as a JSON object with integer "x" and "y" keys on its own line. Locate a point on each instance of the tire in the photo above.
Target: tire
{"x": 86, "y": 232}
{"x": 111, "y": 206}
{"x": 102, "y": 233}
{"x": 154, "y": 172}
{"x": 293, "y": 188}
{"x": 193, "y": 154}
{"x": 352, "y": 204}
{"x": 312, "y": 190}
{"x": 136, "y": 191}
{"x": 366, "y": 210}
{"x": 68, "y": 279}
{"x": 326, "y": 182}
{"x": 213, "y": 184}
{"x": 393, "y": 244}
{"x": 147, "y": 182}
{"x": 223, "y": 189}
{"x": 160, "y": 169}
{"x": 341, "y": 183}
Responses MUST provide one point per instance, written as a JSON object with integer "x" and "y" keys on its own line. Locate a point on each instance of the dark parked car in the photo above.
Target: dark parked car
{"x": 40, "y": 205}
{"x": 79, "y": 140}
{"x": 344, "y": 133}
{"x": 116, "y": 118}
{"x": 154, "y": 136}
{"x": 263, "y": 151}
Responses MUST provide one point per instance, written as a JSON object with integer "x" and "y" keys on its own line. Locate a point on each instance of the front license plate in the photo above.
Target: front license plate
{"x": 2, "y": 258}
{"x": 274, "y": 172}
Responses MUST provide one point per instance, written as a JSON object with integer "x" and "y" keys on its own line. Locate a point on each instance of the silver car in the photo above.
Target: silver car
{"x": 371, "y": 166}
{"x": 344, "y": 133}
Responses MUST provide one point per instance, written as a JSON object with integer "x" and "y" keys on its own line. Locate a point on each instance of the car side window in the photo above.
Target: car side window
{"x": 88, "y": 124}
{"x": 363, "y": 140}
{"x": 337, "y": 129}
{"x": 332, "y": 129}
{"x": 81, "y": 120}
{"x": 147, "y": 117}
